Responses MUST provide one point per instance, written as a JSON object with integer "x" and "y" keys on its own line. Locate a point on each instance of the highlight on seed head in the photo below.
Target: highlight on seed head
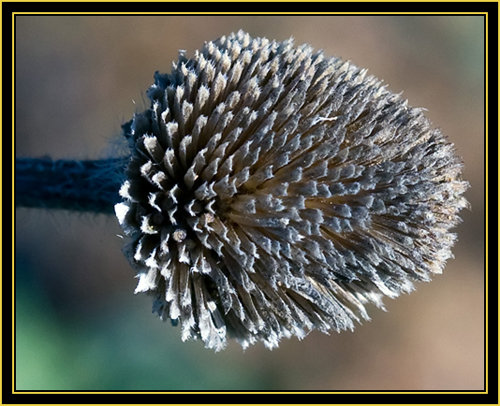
{"x": 272, "y": 190}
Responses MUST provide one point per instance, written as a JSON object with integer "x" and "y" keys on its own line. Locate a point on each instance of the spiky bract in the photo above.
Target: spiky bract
{"x": 272, "y": 190}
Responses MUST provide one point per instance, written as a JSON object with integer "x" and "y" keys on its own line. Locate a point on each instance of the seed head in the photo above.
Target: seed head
{"x": 272, "y": 190}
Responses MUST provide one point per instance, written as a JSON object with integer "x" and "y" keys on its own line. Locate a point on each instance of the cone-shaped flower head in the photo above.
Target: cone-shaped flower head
{"x": 272, "y": 190}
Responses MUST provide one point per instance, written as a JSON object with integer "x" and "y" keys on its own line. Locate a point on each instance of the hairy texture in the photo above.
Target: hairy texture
{"x": 90, "y": 186}
{"x": 272, "y": 190}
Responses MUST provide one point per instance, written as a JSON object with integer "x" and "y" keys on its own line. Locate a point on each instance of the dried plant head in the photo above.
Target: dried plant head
{"x": 272, "y": 190}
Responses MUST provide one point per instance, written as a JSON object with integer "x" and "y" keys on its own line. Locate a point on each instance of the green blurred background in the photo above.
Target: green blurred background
{"x": 78, "y": 324}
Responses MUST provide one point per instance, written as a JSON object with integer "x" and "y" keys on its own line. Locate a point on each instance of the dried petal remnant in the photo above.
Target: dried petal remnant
{"x": 272, "y": 190}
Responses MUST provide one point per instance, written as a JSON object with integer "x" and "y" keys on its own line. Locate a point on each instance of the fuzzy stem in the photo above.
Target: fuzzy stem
{"x": 90, "y": 186}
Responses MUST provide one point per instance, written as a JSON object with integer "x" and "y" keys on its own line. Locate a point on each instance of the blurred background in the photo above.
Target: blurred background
{"x": 78, "y": 324}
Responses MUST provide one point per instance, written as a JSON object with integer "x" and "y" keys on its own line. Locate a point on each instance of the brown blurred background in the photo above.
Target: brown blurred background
{"x": 79, "y": 325}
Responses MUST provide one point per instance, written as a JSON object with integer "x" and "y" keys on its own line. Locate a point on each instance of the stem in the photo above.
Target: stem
{"x": 90, "y": 186}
